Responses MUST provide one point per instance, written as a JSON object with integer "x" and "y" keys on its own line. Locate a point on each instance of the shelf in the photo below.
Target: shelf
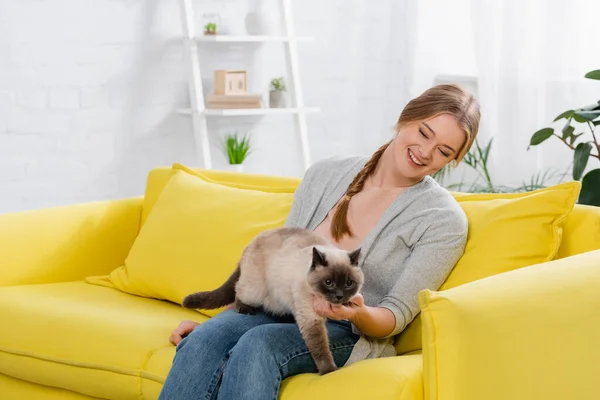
{"x": 230, "y": 112}
{"x": 193, "y": 39}
{"x": 251, "y": 38}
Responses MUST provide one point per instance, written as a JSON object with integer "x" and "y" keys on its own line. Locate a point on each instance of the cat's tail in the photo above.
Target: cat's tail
{"x": 220, "y": 297}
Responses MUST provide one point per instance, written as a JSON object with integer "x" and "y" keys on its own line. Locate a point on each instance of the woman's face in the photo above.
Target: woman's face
{"x": 423, "y": 148}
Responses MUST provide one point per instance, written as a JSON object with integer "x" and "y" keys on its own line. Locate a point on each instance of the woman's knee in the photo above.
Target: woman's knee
{"x": 265, "y": 342}
{"x": 222, "y": 331}
{"x": 254, "y": 341}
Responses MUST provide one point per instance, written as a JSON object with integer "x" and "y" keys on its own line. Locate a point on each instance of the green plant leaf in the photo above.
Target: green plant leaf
{"x": 470, "y": 159}
{"x": 586, "y": 115}
{"x": 590, "y": 188}
{"x": 478, "y": 158}
{"x": 580, "y": 159}
{"x": 237, "y": 148}
{"x": 540, "y": 136}
{"x": 590, "y": 107}
{"x": 278, "y": 84}
{"x": 567, "y": 130}
{"x": 593, "y": 74}
{"x": 566, "y": 114}
{"x": 573, "y": 138}
{"x": 538, "y": 180}
{"x": 486, "y": 151}
{"x": 441, "y": 174}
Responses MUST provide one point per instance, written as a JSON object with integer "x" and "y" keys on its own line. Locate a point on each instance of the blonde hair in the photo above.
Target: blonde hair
{"x": 441, "y": 99}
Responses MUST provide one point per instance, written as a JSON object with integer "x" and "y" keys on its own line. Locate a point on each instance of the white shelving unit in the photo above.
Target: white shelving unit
{"x": 252, "y": 38}
{"x": 231, "y": 112}
{"x": 198, "y": 111}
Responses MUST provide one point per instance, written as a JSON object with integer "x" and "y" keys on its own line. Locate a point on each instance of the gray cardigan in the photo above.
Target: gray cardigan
{"x": 414, "y": 246}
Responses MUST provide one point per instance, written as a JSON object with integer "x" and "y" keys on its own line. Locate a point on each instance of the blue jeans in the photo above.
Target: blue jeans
{"x": 236, "y": 356}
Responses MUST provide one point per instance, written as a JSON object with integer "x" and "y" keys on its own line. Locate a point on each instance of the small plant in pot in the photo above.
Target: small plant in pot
{"x": 586, "y": 119}
{"x": 237, "y": 148}
{"x": 210, "y": 28}
{"x": 277, "y": 93}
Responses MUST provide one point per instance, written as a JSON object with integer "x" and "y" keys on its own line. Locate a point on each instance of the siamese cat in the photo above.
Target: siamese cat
{"x": 281, "y": 270}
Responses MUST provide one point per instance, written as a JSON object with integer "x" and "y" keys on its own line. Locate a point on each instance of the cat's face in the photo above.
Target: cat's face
{"x": 335, "y": 275}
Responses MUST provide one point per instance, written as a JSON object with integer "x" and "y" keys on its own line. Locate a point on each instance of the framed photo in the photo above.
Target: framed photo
{"x": 230, "y": 82}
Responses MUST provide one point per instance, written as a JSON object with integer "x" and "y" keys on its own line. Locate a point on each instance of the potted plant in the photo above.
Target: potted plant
{"x": 210, "y": 28}
{"x": 237, "y": 149}
{"x": 277, "y": 93}
{"x": 477, "y": 160}
{"x": 211, "y": 22}
{"x": 586, "y": 118}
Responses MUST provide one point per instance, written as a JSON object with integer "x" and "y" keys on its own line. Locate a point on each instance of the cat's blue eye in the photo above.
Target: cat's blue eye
{"x": 349, "y": 283}
{"x": 328, "y": 282}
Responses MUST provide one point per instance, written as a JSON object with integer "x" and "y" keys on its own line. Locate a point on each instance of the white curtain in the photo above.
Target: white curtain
{"x": 531, "y": 59}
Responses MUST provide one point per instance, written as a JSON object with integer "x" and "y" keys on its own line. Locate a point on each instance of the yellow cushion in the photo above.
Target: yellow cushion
{"x": 398, "y": 378}
{"x": 194, "y": 237}
{"x": 159, "y": 177}
{"x": 507, "y": 231}
{"x": 18, "y": 389}
{"x": 526, "y": 334}
{"x": 240, "y": 184}
{"x": 88, "y": 339}
{"x": 582, "y": 231}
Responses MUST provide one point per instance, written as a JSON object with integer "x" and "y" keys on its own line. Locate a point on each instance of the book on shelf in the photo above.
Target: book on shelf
{"x": 234, "y": 101}
{"x": 225, "y": 106}
{"x": 233, "y": 98}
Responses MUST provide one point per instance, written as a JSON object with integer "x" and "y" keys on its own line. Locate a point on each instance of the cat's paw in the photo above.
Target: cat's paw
{"x": 327, "y": 369}
{"x": 245, "y": 309}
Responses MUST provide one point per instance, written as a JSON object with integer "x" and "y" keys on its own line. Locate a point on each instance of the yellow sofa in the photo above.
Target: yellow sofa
{"x": 532, "y": 333}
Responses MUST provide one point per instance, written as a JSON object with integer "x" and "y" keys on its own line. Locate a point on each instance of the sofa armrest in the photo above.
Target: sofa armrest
{"x": 68, "y": 242}
{"x": 532, "y": 333}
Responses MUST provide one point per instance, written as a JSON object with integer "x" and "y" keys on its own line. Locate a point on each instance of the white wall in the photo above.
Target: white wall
{"x": 444, "y": 53}
{"x": 527, "y": 71}
{"x": 444, "y": 43}
{"x": 88, "y": 91}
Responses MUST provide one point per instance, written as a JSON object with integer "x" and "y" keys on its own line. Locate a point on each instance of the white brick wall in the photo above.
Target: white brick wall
{"x": 88, "y": 91}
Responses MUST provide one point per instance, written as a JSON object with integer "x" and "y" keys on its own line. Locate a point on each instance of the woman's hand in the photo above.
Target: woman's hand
{"x": 338, "y": 312}
{"x": 185, "y": 328}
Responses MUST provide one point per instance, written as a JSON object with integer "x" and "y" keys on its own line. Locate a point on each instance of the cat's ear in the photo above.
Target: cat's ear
{"x": 319, "y": 258}
{"x": 354, "y": 256}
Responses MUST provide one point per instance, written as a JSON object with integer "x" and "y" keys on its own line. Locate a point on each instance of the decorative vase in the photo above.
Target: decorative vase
{"x": 235, "y": 167}
{"x": 260, "y": 20}
{"x": 277, "y": 99}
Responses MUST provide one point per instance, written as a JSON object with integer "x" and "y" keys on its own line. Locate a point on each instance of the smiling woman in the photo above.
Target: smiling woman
{"x": 434, "y": 129}
{"x": 410, "y": 231}
{"x": 430, "y": 145}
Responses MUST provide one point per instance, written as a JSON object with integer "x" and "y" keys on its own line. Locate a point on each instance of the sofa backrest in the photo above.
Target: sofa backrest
{"x": 581, "y": 231}
{"x": 158, "y": 178}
